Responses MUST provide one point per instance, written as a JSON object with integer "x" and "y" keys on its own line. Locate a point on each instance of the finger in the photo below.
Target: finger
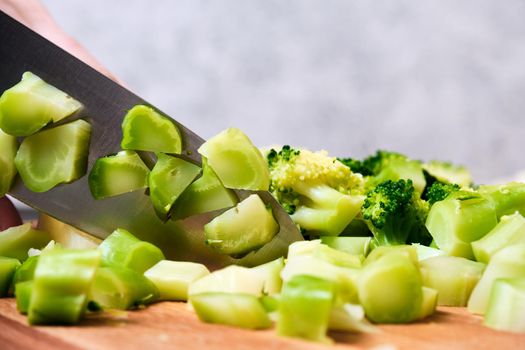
{"x": 9, "y": 216}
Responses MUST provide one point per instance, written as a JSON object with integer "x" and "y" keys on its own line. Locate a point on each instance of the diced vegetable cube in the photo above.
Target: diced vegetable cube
{"x": 16, "y": 241}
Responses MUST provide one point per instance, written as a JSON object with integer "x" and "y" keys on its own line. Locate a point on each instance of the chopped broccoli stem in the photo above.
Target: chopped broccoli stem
{"x": 16, "y": 241}
{"x": 506, "y": 305}
{"x": 236, "y": 161}
{"x": 32, "y": 104}
{"x": 352, "y": 245}
{"x": 54, "y": 156}
{"x": 9, "y": 147}
{"x": 121, "y": 288}
{"x": 508, "y": 198}
{"x": 270, "y": 272}
{"x": 118, "y": 174}
{"x": 231, "y": 279}
{"x": 144, "y": 129}
{"x": 173, "y": 278}
{"x": 8, "y": 267}
{"x": 242, "y": 229}
{"x": 238, "y": 310}
{"x": 26, "y": 271}
{"x": 454, "y": 278}
{"x": 510, "y": 230}
{"x": 305, "y": 307}
{"x": 205, "y": 194}
{"x": 428, "y": 303}
{"x": 123, "y": 249}
{"x": 167, "y": 180}
{"x": 23, "y": 291}
{"x": 61, "y": 285}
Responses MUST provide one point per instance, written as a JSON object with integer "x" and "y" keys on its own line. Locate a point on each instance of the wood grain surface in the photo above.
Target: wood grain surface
{"x": 171, "y": 325}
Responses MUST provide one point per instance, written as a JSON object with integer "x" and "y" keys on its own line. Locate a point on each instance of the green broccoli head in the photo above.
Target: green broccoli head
{"x": 449, "y": 173}
{"x": 386, "y": 165}
{"x": 439, "y": 191}
{"x": 321, "y": 193}
{"x": 395, "y": 214}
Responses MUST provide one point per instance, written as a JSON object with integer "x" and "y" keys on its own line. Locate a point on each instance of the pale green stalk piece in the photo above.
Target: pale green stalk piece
{"x": 8, "y": 147}
{"x": 32, "y": 104}
{"x": 390, "y": 289}
{"x": 16, "y": 241}
{"x": 410, "y": 251}
{"x": 61, "y": 284}
{"x": 507, "y": 198}
{"x": 8, "y": 267}
{"x": 429, "y": 303}
{"x": 458, "y": 220}
{"x": 305, "y": 307}
{"x": 236, "y": 161}
{"x": 144, "y": 129}
{"x": 167, "y": 180}
{"x": 244, "y": 228}
{"x": 173, "y": 278}
{"x": 510, "y": 230}
{"x": 351, "y": 245}
{"x": 232, "y": 279}
{"x": 350, "y": 318}
{"x": 23, "y": 292}
{"x": 54, "y": 156}
{"x": 271, "y": 274}
{"x": 424, "y": 252}
{"x": 237, "y": 310}
{"x": 337, "y": 257}
{"x": 506, "y": 305}
{"x": 205, "y": 194}
{"x": 121, "y": 173}
{"x": 123, "y": 249}
{"x": 121, "y": 288}
{"x": 507, "y": 263}
{"x": 453, "y": 277}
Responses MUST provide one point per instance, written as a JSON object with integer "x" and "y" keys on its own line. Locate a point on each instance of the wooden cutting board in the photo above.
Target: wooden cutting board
{"x": 170, "y": 325}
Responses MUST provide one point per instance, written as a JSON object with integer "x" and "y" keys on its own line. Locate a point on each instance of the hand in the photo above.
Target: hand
{"x": 34, "y": 15}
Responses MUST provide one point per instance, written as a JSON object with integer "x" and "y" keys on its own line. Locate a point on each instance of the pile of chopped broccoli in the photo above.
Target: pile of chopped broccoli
{"x": 321, "y": 194}
{"x": 396, "y": 214}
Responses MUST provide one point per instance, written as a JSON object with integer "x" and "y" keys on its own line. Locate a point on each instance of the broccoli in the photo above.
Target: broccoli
{"x": 439, "y": 191}
{"x": 320, "y": 193}
{"x": 395, "y": 214}
{"x": 447, "y": 172}
{"x": 386, "y": 165}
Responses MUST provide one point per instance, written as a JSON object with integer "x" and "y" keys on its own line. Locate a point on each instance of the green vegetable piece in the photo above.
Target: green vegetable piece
{"x": 336, "y": 257}
{"x": 232, "y": 279}
{"x": 510, "y": 230}
{"x": 123, "y": 249}
{"x": 350, "y": 318}
{"x": 121, "y": 288}
{"x": 173, "y": 278}
{"x": 32, "y": 104}
{"x": 9, "y": 146}
{"x": 26, "y": 271}
{"x": 506, "y": 305}
{"x": 305, "y": 307}
{"x": 350, "y": 245}
{"x": 508, "y": 198}
{"x": 390, "y": 289}
{"x": 118, "y": 174}
{"x": 8, "y": 267}
{"x": 429, "y": 303}
{"x": 61, "y": 285}
{"x": 204, "y": 195}
{"x": 236, "y": 161}
{"x": 424, "y": 252}
{"x": 54, "y": 156}
{"x": 167, "y": 180}
{"x": 16, "y": 241}
{"x": 23, "y": 291}
{"x": 448, "y": 173}
{"x": 271, "y": 274}
{"x": 454, "y": 278}
{"x": 237, "y": 310}
{"x": 144, "y": 129}
{"x": 507, "y": 263}
{"x": 270, "y": 302}
{"x": 239, "y": 230}
{"x": 461, "y": 218}
{"x": 410, "y": 251}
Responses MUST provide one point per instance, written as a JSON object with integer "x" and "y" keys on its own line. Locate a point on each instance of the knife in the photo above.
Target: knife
{"x": 104, "y": 105}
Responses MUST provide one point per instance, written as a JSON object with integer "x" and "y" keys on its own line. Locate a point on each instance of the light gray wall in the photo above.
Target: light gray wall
{"x": 433, "y": 79}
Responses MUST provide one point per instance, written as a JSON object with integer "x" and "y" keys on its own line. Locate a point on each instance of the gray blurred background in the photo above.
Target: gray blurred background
{"x": 432, "y": 79}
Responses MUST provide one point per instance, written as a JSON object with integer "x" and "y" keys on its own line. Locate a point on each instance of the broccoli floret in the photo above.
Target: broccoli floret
{"x": 395, "y": 214}
{"x": 320, "y": 193}
{"x": 386, "y": 165}
{"x": 439, "y": 191}
{"x": 447, "y": 172}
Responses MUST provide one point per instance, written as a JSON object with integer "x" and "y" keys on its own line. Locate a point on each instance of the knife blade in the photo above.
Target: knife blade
{"x": 104, "y": 105}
